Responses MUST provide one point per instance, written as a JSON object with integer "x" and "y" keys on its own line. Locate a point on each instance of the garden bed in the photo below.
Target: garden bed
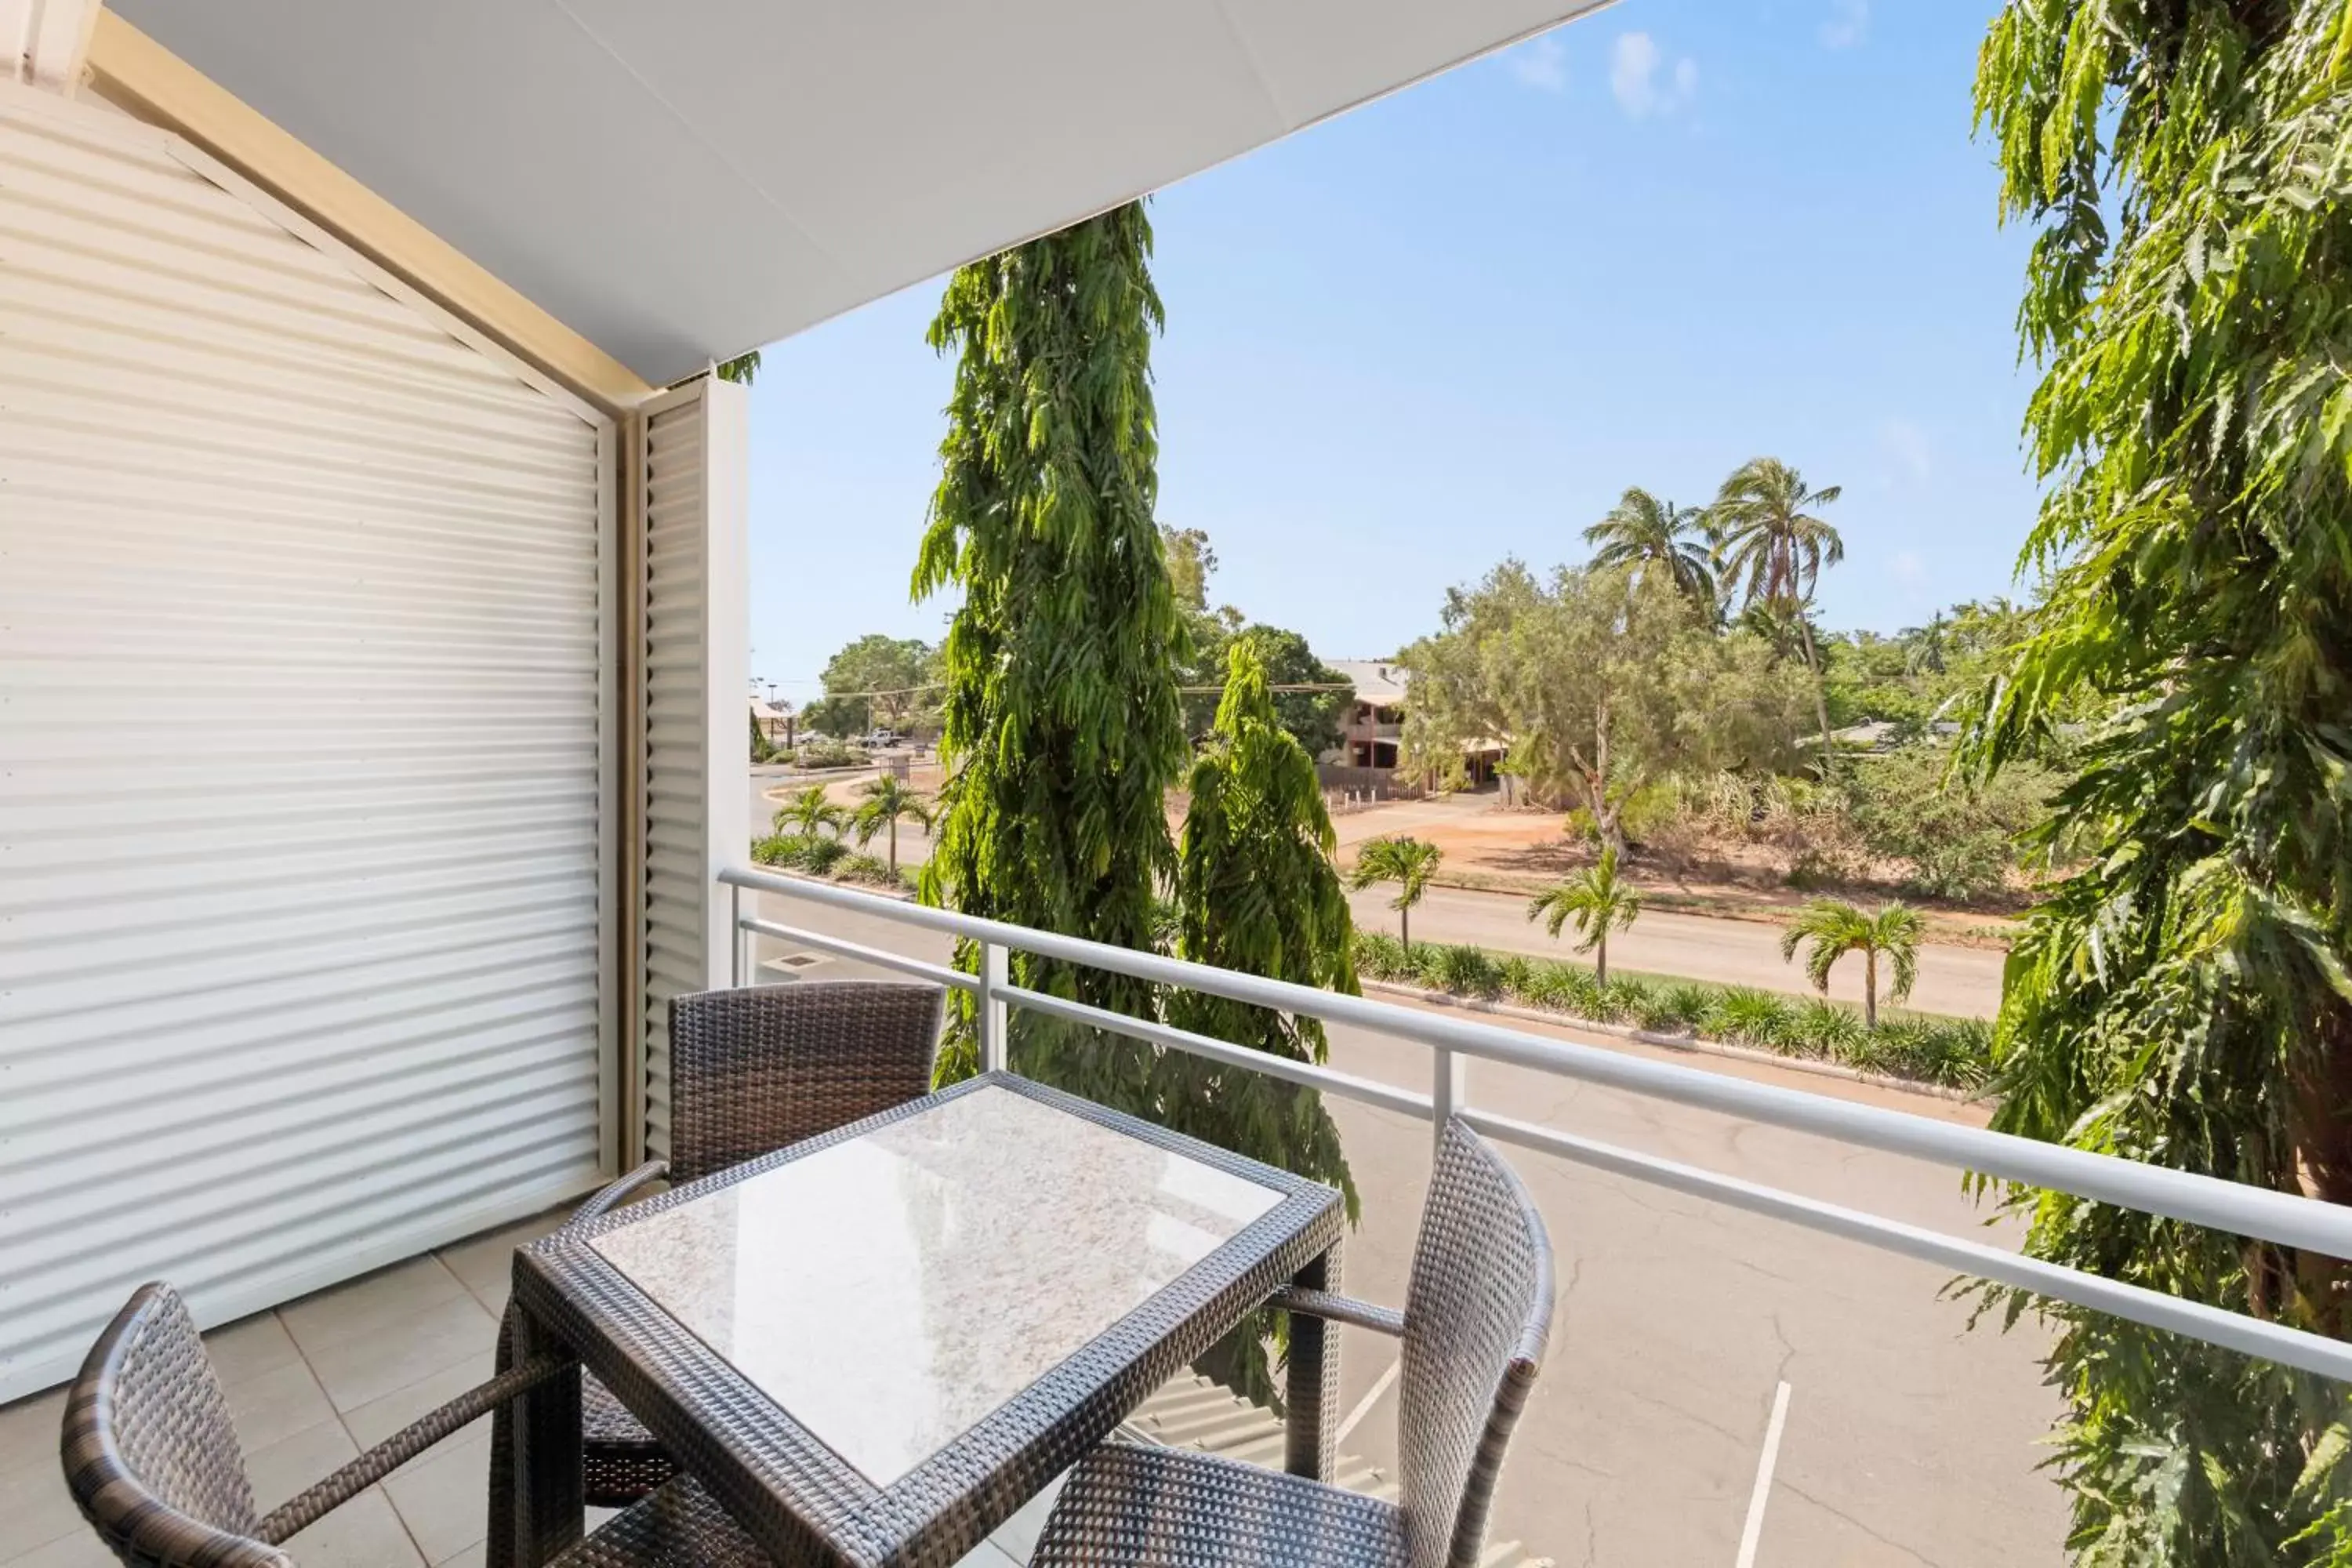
{"x": 1923, "y": 1048}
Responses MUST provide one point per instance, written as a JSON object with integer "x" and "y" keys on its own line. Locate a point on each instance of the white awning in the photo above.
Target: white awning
{"x": 684, "y": 180}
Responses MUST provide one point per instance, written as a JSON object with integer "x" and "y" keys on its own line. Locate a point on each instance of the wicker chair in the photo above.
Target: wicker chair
{"x": 155, "y": 1466}
{"x": 1476, "y": 1314}
{"x": 752, "y": 1071}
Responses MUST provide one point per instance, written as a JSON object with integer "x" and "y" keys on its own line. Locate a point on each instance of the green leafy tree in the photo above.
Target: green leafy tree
{"x": 1410, "y": 863}
{"x": 745, "y": 368}
{"x": 877, "y": 680}
{"x": 1256, "y": 892}
{"x": 761, "y": 751}
{"x": 811, "y": 813}
{"x": 886, "y": 802}
{"x": 1642, "y": 533}
{"x": 1313, "y": 719}
{"x": 1599, "y": 901}
{"x": 1603, "y": 683}
{"x": 1774, "y": 547}
{"x": 1829, "y": 928}
{"x": 2183, "y": 998}
{"x": 1063, "y": 730}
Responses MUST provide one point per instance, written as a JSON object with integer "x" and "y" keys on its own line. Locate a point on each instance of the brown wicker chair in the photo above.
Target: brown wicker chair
{"x": 752, "y": 1071}
{"x": 153, "y": 1463}
{"x": 1477, "y": 1311}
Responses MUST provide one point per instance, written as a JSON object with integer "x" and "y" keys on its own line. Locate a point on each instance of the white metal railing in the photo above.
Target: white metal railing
{"x": 2234, "y": 1207}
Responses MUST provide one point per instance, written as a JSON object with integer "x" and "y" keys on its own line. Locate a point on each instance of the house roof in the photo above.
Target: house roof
{"x": 681, "y": 182}
{"x": 1376, "y": 680}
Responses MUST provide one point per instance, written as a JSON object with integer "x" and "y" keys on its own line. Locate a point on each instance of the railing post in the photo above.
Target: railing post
{"x": 993, "y": 979}
{"x": 737, "y": 937}
{"x": 1449, "y": 1089}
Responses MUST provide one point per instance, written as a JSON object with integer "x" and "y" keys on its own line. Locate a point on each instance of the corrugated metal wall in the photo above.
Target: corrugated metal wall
{"x": 300, "y": 783}
{"x": 698, "y": 741}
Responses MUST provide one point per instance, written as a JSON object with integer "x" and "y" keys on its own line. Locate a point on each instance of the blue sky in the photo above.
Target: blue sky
{"x": 1453, "y": 326}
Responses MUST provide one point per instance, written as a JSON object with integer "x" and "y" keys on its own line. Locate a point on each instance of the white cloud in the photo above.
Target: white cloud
{"x": 1907, "y": 445}
{"x": 1635, "y": 76}
{"x": 1849, "y": 20}
{"x": 1541, "y": 63}
{"x": 1907, "y": 569}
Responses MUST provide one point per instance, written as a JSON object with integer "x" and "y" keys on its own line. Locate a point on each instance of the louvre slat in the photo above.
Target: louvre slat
{"x": 300, "y": 772}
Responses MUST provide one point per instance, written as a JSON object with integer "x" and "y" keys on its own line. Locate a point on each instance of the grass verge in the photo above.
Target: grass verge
{"x": 1926, "y": 1048}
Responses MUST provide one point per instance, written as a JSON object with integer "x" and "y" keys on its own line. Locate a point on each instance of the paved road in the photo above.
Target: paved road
{"x": 1965, "y": 981}
{"x": 1957, "y": 980}
{"x": 1907, "y": 1439}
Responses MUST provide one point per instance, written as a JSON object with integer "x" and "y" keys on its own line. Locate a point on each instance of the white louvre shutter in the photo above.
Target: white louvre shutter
{"x": 300, "y": 785}
{"x": 698, "y": 734}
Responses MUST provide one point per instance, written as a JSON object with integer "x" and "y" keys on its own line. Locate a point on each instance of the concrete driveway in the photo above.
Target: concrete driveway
{"x": 1905, "y": 1438}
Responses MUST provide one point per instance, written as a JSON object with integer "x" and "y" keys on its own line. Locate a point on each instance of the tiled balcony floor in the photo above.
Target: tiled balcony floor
{"x": 313, "y": 1383}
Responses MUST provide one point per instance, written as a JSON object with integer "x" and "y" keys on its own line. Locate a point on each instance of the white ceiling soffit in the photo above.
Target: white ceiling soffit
{"x": 680, "y": 180}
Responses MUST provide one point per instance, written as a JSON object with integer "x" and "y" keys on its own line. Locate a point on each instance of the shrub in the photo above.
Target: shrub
{"x": 777, "y": 849}
{"x": 829, "y": 755}
{"x": 1622, "y": 999}
{"x": 1460, "y": 968}
{"x": 1824, "y": 1029}
{"x": 1747, "y": 1016}
{"x": 871, "y": 869}
{"x": 1511, "y": 974}
{"x": 1550, "y": 984}
{"x": 1381, "y": 957}
{"x": 821, "y": 854}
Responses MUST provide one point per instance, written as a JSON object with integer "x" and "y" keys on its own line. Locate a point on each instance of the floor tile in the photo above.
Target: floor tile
{"x": 379, "y": 1418}
{"x": 1018, "y": 1535}
{"x": 82, "y": 1549}
{"x": 286, "y": 1466}
{"x": 357, "y": 1369}
{"x": 29, "y": 1429}
{"x": 444, "y": 1498}
{"x": 471, "y": 1557}
{"x": 35, "y": 1508}
{"x": 363, "y": 1533}
{"x": 987, "y": 1554}
{"x": 277, "y": 1404}
{"x": 485, "y": 1263}
{"x": 249, "y": 1348}
{"x": 370, "y": 1305}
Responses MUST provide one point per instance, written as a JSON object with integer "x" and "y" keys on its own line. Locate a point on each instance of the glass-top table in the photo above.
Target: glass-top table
{"x": 880, "y": 1343}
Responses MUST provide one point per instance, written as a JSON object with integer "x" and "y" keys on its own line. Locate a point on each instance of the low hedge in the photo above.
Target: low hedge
{"x": 825, "y": 855}
{"x": 1925, "y": 1046}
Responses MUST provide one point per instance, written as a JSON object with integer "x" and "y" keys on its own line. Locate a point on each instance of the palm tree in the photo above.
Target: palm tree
{"x": 1642, "y": 532}
{"x": 1598, "y": 901}
{"x": 809, "y": 813}
{"x": 1407, "y": 862}
{"x": 1924, "y": 647}
{"x": 885, "y": 801}
{"x": 1774, "y": 548}
{"x": 1834, "y": 928}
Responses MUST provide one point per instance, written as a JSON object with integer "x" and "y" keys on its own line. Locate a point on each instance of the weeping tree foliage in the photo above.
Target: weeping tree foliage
{"x": 1256, "y": 892}
{"x": 2184, "y": 999}
{"x": 1062, "y": 727}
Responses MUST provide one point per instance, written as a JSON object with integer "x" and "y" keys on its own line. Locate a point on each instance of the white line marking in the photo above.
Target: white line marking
{"x": 1764, "y": 1463}
{"x": 1371, "y": 1397}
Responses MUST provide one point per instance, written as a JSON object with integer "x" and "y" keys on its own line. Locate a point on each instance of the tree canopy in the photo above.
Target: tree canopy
{"x": 1256, "y": 892}
{"x": 1600, "y": 682}
{"x": 2183, "y": 998}
{"x": 897, "y": 669}
{"x": 1063, "y": 730}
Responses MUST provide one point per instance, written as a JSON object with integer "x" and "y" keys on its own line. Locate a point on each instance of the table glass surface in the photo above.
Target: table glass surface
{"x": 889, "y": 1291}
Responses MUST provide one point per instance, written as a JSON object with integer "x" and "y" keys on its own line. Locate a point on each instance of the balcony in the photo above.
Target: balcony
{"x": 1753, "y": 1349}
